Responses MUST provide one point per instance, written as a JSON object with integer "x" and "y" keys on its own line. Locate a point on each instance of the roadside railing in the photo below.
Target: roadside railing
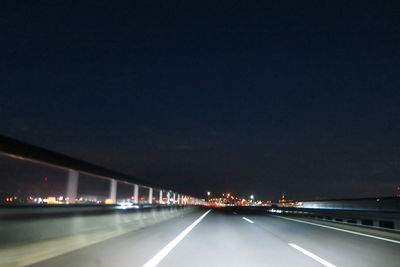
{"x": 32, "y": 175}
{"x": 387, "y": 220}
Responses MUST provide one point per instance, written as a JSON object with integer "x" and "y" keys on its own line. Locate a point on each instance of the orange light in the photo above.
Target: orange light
{"x": 108, "y": 201}
{"x": 51, "y": 200}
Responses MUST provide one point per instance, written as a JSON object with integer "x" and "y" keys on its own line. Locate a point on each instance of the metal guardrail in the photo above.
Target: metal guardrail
{"x": 375, "y": 219}
{"x": 391, "y": 204}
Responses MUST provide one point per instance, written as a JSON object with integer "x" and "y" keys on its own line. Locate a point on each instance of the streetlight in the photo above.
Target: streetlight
{"x": 252, "y": 198}
{"x": 208, "y": 195}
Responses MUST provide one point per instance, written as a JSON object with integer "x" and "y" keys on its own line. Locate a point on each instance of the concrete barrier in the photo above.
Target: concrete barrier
{"x": 28, "y": 235}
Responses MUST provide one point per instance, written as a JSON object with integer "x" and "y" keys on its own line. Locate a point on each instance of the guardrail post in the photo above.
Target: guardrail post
{"x": 113, "y": 191}
{"x": 136, "y": 194}
{"x": 150, "y": 195}
{"x": 72, "y": 185}
{"x": 160, "y": 201}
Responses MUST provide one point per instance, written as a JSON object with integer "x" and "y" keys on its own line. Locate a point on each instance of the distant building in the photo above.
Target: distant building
{"x": 283, "y": 202}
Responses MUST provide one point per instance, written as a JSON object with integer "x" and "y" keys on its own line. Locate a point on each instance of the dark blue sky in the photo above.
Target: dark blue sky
{"x": 258, "y": 97}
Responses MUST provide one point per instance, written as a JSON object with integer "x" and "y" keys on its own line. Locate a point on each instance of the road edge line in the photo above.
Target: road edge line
{"x": 342, "y": 230}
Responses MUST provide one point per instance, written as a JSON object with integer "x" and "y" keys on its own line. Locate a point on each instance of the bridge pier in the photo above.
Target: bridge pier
{"x": 113, "y": 191}
{"x": 136, "y": 194}
{"x": 72, "y": 185}
{"x": 150, "y": 195}
{"x": 160, "y": 201}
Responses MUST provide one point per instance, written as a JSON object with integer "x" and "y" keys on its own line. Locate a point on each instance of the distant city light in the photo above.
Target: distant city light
{"x": 51, "y": 200}
{"x": 108, "y": 201}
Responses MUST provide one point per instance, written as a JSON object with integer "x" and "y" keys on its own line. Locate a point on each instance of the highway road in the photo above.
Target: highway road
{"x": 233, "y": 237}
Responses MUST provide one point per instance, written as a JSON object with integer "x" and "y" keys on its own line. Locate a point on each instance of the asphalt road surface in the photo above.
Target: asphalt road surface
{"x": 231, "y": 237}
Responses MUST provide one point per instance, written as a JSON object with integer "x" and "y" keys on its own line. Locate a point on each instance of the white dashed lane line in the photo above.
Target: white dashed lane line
{"x": 312, "y": 255}
{"x": 250, "y": 221}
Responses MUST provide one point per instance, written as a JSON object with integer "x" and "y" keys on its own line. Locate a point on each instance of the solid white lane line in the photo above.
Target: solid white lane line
{"x": 312, "y": 255}
{"x": 164, "y": 252}
{"x": 342, "y": 230}
{"x": 250, "y": 221}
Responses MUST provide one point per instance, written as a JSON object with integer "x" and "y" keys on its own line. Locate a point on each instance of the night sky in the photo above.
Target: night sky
{"x": 251, "y": 97}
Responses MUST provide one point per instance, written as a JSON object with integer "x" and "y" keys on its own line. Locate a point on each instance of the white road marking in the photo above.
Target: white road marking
{"x": 342, "y": 230}
{"x": 164, "y": 252}
{"x": 250, "y": 221}
{"x": 312, "y": 255}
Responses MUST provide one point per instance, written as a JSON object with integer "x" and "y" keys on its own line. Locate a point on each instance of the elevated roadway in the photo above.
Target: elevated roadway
{"x": 237, "y": 237}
